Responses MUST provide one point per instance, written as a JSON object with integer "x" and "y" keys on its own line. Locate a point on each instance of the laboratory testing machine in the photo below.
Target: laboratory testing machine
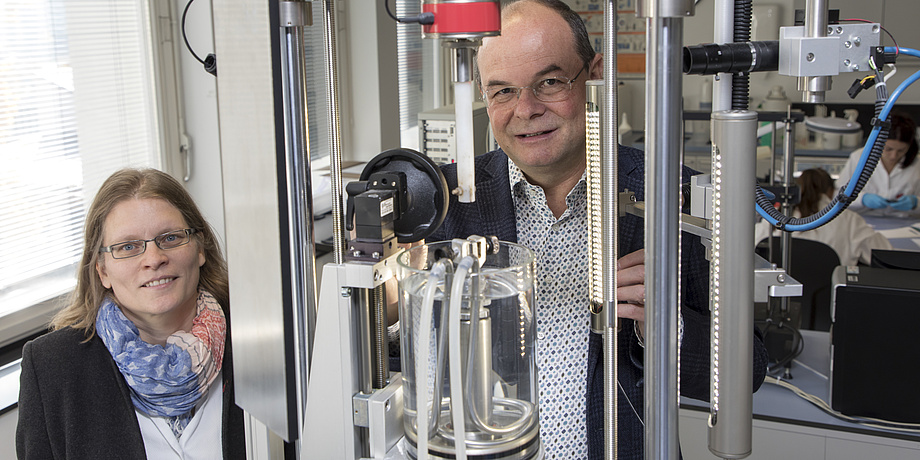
{"x": 312, "y": 363}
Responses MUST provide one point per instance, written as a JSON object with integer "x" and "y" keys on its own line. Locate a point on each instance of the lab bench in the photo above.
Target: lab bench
{"x": 787, "y": 426}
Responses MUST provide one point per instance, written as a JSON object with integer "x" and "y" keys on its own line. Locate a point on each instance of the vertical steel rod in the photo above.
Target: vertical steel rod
{"x": 335, "y": 136}
{"x": 363, "y": 304}
{"x": 662, "y": 235}
{"x": 292, "y": 16}
{"x": 379, "y": 339}
{"x": 610, "y": 211}
{"x": 814, "y": 88}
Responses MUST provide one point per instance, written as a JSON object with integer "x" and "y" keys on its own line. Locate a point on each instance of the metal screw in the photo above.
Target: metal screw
{"x": 855, "y": 67}
{"x": 846, "y": 62}
{"x": 375, "y": 255}
{"x": 847, "y": 44}
{"x": 839, "y": 30}
{"x": 781, "y": 278}
{"x": 830, "y": 30}
{"x": 346, "y": 292}
{"x": 857, "y": 41}
{"x": 810, "y": 57}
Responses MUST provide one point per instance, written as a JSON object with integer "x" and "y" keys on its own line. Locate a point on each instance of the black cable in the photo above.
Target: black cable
{"x": 797, "y": 348}
{"x": 423, "y": 18}
{"x": 893, "y": 41}
{"x": 386, "y": 3}
{"x": 742, "y": 34}
{"x": 210, "y": 62}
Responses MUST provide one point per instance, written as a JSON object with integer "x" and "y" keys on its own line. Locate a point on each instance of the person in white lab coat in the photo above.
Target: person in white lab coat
{"x": 848, "y": 234}
{"x": 894, "y": 185}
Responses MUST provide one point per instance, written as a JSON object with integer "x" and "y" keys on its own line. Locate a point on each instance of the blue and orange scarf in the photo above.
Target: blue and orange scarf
{"x": 167, "y": 381}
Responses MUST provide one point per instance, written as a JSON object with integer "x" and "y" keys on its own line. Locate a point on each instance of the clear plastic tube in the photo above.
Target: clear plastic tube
{"x": 455, "y": 351}
{"x": 422, "y": 364}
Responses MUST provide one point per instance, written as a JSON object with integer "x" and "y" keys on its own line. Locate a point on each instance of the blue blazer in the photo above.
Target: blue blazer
{"x": 490, "y": 215}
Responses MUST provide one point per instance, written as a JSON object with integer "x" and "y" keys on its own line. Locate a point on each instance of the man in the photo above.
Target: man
{"x": 533, "y": 79}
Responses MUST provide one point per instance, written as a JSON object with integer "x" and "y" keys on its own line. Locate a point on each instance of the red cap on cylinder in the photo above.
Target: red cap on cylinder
{"x": 463, "y": 19}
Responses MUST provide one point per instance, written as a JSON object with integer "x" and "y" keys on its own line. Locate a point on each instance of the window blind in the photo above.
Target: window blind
{"x": 409, "y": 53}
{"x": 77, "y": 102}
{"x": 315, "y": 67}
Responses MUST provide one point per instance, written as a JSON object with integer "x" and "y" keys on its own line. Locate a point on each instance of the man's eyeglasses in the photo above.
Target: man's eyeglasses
{"x": 553, "y": 89}
{"x": 133, "y": 248}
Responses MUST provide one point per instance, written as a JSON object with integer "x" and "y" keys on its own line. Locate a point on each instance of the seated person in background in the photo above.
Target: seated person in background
{"x": 138, "y": 364}
{"x": 848, "y": 234}
{"x": 893, "y": 188}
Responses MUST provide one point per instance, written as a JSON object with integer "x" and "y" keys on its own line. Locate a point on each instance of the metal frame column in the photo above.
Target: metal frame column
{"x": 664, "y": 135}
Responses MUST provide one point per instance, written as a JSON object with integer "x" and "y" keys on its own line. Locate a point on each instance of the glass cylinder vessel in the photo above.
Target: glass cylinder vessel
{"x": 488, "y": 364}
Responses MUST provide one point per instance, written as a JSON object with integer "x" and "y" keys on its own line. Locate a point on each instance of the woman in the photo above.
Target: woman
{"x": 138, "y": 365}
{"x": 894, "y": 185}
{"x": 848, "y": 234}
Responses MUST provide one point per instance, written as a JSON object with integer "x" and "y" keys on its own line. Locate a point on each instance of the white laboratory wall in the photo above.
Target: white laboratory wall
{"x": 373, "y": 105}
{"x": 199, "y": 96}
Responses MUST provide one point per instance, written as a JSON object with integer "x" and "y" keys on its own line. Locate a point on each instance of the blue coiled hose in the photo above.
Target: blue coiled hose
{"x": 866, "y": 166}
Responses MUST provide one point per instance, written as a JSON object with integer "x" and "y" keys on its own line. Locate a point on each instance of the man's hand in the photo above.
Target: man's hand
{"x": 631, "y": 286}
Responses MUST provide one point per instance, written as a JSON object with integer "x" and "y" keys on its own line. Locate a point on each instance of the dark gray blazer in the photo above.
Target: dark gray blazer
{"x": 492, "y": 214}
{"x": 74, "y": 403}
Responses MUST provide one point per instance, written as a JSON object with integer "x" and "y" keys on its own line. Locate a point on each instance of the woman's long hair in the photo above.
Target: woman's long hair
{"x": 126, "y": 184}
{"x": 814, "y": 183}
{"x": 904, "y": 129}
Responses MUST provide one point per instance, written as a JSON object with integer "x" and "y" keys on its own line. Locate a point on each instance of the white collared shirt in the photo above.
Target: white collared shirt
{"x": 563, "y": 320}
{"x": 201, "y": 439}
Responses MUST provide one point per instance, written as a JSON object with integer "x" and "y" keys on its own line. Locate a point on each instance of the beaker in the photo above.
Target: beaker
{"x": 467, "y": 334}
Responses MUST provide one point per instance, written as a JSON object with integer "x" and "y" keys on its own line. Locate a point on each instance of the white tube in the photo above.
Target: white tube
{"x": 422, "y": 367}
{"x": 723, "y": 33}
{"x": 463, "y": 107}
{"x": 454, "y": 352}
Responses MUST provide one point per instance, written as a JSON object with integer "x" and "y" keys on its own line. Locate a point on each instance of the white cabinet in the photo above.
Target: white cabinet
{"x": 774, "y": 440}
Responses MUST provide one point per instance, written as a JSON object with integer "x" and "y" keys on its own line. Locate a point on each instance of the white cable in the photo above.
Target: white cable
{"x": 454, "y": 353}
{"x": 865, "y": 421}
{"x": 806, "y": 366}
{"x": 894, "y": 70}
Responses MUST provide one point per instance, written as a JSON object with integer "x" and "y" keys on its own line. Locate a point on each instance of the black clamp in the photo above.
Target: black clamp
{"x": 844, "y": 198}
{"x": 781, "y": 223}
{"x": 885, "y": 124}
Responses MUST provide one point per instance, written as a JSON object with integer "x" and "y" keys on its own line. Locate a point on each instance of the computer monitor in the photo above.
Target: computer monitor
{"x": 890, "y": 258}
{"x": 874, "y": 345}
